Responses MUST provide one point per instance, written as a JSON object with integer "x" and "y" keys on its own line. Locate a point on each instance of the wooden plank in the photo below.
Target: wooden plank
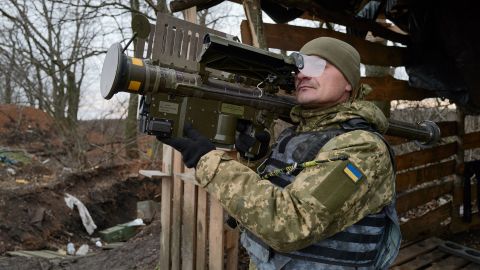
{"x": 320, "y": 12}
{"x": 459, "y": 168}
{"x": 253, "y": 12}
{"x": 459, "y": 190}
{"x": 394, "y": 140}
{"x": 189, "y": 196}
{"x": 202, "y": 229}
{"x": 447, "y": 128}
{"x": 47, "y": 254}
{"x": 409, "y": 179}
{"x": 461, "y": 226}
{"x": 292, "y": 38}
{"x": 215, "y": 236}
{"x": 177, "y": 255}
{"x": 422, "y": 261}
{"x": 426, "y": 225}
{"x": 153, "y": 173}
{"x": 232, "y": 248}
{"x": 471, "y": 140}
{"x": 189, "y": 226}
{"x": 421, "y": 196}
{"x": 416, "y": 249}
{"x": 389, "y": 88}
{"x": 449, "y": 263}
{"x": 165, "y": 212}
{"x": 422, "y": 157}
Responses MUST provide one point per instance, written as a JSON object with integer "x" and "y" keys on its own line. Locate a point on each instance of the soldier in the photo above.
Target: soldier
{"x": 324, "y": 198}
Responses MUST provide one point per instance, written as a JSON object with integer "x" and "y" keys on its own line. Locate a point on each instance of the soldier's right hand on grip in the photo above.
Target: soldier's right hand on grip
{"x": 244, "y": 142}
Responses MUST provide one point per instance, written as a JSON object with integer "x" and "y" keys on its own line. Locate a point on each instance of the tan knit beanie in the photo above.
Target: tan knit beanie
{"x": 340, "y": 54}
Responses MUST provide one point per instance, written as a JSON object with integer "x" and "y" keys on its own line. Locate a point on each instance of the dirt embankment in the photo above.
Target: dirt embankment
{"x": 36, "y": 217}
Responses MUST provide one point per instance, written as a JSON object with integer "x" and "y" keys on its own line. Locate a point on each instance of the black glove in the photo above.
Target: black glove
{"x": 244, "y": 142}
{"x": 193, "y": 146}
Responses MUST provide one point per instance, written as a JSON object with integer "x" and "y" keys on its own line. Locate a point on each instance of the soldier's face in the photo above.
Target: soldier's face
{"x": 328, "y": 89}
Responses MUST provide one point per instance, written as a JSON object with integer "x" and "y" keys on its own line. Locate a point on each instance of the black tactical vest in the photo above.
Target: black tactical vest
{"x": 371, "y": 243}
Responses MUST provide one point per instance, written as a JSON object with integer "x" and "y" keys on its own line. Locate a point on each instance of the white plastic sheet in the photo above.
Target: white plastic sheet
{"x": 87, "y": 220}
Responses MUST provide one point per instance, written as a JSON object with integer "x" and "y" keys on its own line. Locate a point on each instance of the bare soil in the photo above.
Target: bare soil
{"x": 33, "y": 213}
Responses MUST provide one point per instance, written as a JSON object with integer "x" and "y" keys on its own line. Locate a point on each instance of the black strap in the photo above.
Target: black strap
{"x": 358, "y": 238}
{"x": 278, "y": 181}
{"x": 276, "y": 163}
{"x": 321, "y": 254}
{"x": 372, "y": 221}
{"x": 284, "y": 142}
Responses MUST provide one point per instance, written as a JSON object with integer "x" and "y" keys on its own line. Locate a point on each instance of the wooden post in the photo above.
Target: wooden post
{"x": 189, "y": 225}
{"x": 189, "y": 211}
{"x": 253, "y": 12}
{"x": 166, "y": 208}
{"x": 459, "y": 169}
{"x": 232, "y": 246}
{"x": 215, "y": 236}
{"x": 177, "y": 211}
{"x": 379, "y": 71}
{"x": 202, "y": 230}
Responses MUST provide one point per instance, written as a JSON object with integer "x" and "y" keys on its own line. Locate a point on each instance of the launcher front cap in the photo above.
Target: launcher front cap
{"x": 111, "y": 71}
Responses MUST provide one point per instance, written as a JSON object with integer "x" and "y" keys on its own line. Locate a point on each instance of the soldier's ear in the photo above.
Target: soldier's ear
{"x": 348, "y": 87}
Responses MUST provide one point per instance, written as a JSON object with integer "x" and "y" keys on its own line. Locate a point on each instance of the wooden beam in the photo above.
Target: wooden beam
{"x": 232, "y": 247}
{"x": 459, "y": 190}
{"x": 189, "y": 218}
{"x": 291, "y": 38}
{"x": 409, "y": 179}
{"x": 166, "y": 209}
{"x": 410, "y": 200}
{"x": 416, "y": 249}
{"x": 459, "y": 168}
{"x": 421, "y": 157}
{"x": 461, "y": 226}
{"x": 215, "y": 236}
{"x": 176, "y": 211}
{"x": 345, "y": 19}
{"x": 426, "y": 225}
{"x": 447, "y": 128}
{"x": 471, "y": 140}
{"x": 253, "y": 12}
{"x": 389, "y": 88}
{"x": 202, "y": 230}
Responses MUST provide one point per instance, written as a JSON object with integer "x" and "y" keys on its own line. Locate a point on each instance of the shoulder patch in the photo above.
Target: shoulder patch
{"x": 353, "y": 172}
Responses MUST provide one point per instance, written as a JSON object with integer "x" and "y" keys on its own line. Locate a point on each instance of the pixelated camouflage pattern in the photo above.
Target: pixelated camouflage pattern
{"x": 292, "y": 218}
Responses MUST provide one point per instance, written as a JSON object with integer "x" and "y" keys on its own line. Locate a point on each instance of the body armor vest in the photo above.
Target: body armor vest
{"x": 371, "y": 243}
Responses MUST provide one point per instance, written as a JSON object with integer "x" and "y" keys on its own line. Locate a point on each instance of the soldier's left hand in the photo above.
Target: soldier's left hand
{"x": 193, "y": 146}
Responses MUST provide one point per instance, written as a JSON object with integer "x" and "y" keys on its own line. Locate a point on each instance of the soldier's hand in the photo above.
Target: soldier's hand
{"x": 193, "y": 146}
{"x": 244, "y": 142}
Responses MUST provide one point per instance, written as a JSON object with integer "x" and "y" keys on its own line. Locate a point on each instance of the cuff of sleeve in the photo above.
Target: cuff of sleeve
{"x": 208, "y": 165}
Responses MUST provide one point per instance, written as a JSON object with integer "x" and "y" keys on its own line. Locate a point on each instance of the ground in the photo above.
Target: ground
{"x": 35, "y": 175}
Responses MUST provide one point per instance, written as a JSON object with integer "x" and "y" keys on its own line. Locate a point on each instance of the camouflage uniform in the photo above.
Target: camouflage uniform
{"x": 303, "y": 213}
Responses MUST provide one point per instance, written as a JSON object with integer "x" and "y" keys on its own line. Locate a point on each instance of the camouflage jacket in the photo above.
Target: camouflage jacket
{"x": 296, "y": 216}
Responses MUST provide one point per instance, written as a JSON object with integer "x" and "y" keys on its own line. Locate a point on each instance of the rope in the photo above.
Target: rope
{"x": 288, "y": 170}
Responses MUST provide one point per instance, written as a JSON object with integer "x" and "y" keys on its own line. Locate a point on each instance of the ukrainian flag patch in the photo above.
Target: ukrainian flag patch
{"x": 353, "y": 172}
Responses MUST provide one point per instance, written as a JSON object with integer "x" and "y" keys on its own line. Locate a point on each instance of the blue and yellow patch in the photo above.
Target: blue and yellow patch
{"x": 353, "y": 172}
